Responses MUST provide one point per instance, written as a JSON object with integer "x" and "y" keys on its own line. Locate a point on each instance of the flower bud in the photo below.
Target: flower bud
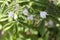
{"x": 17, "y": 7}
{"x": 51, "y": 23}
{"x": 15, "y": 16}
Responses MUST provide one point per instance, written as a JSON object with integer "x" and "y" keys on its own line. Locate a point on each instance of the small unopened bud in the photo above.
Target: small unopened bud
{"x": 17, "y": 7}
{"x": 15, "y": 16}
{"x": 51, "y": 23}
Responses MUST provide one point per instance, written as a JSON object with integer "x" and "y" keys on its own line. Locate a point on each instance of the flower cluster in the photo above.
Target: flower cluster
{"x": 13, "y": 15}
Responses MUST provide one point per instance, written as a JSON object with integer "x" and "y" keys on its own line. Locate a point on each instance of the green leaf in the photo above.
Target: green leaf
{"x": 7, "y": 28}
{"x": 1, "y": 20}
{"x": 8, "y": 24}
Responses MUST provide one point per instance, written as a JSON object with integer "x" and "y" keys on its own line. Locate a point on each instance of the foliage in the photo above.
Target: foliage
{"x": 21, "y": 20}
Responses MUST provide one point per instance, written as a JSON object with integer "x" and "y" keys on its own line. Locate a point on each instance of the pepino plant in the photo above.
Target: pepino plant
{"x": 29, "y": 20}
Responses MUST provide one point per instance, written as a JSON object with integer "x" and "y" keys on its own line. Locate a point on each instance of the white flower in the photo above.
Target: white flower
{"x": 25, "y": 12}
{"x": 43, "y": 14}
{"x": 51, "y": 23}
{"x": 30, "y": 17}
{"x": 11, "y": 14}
